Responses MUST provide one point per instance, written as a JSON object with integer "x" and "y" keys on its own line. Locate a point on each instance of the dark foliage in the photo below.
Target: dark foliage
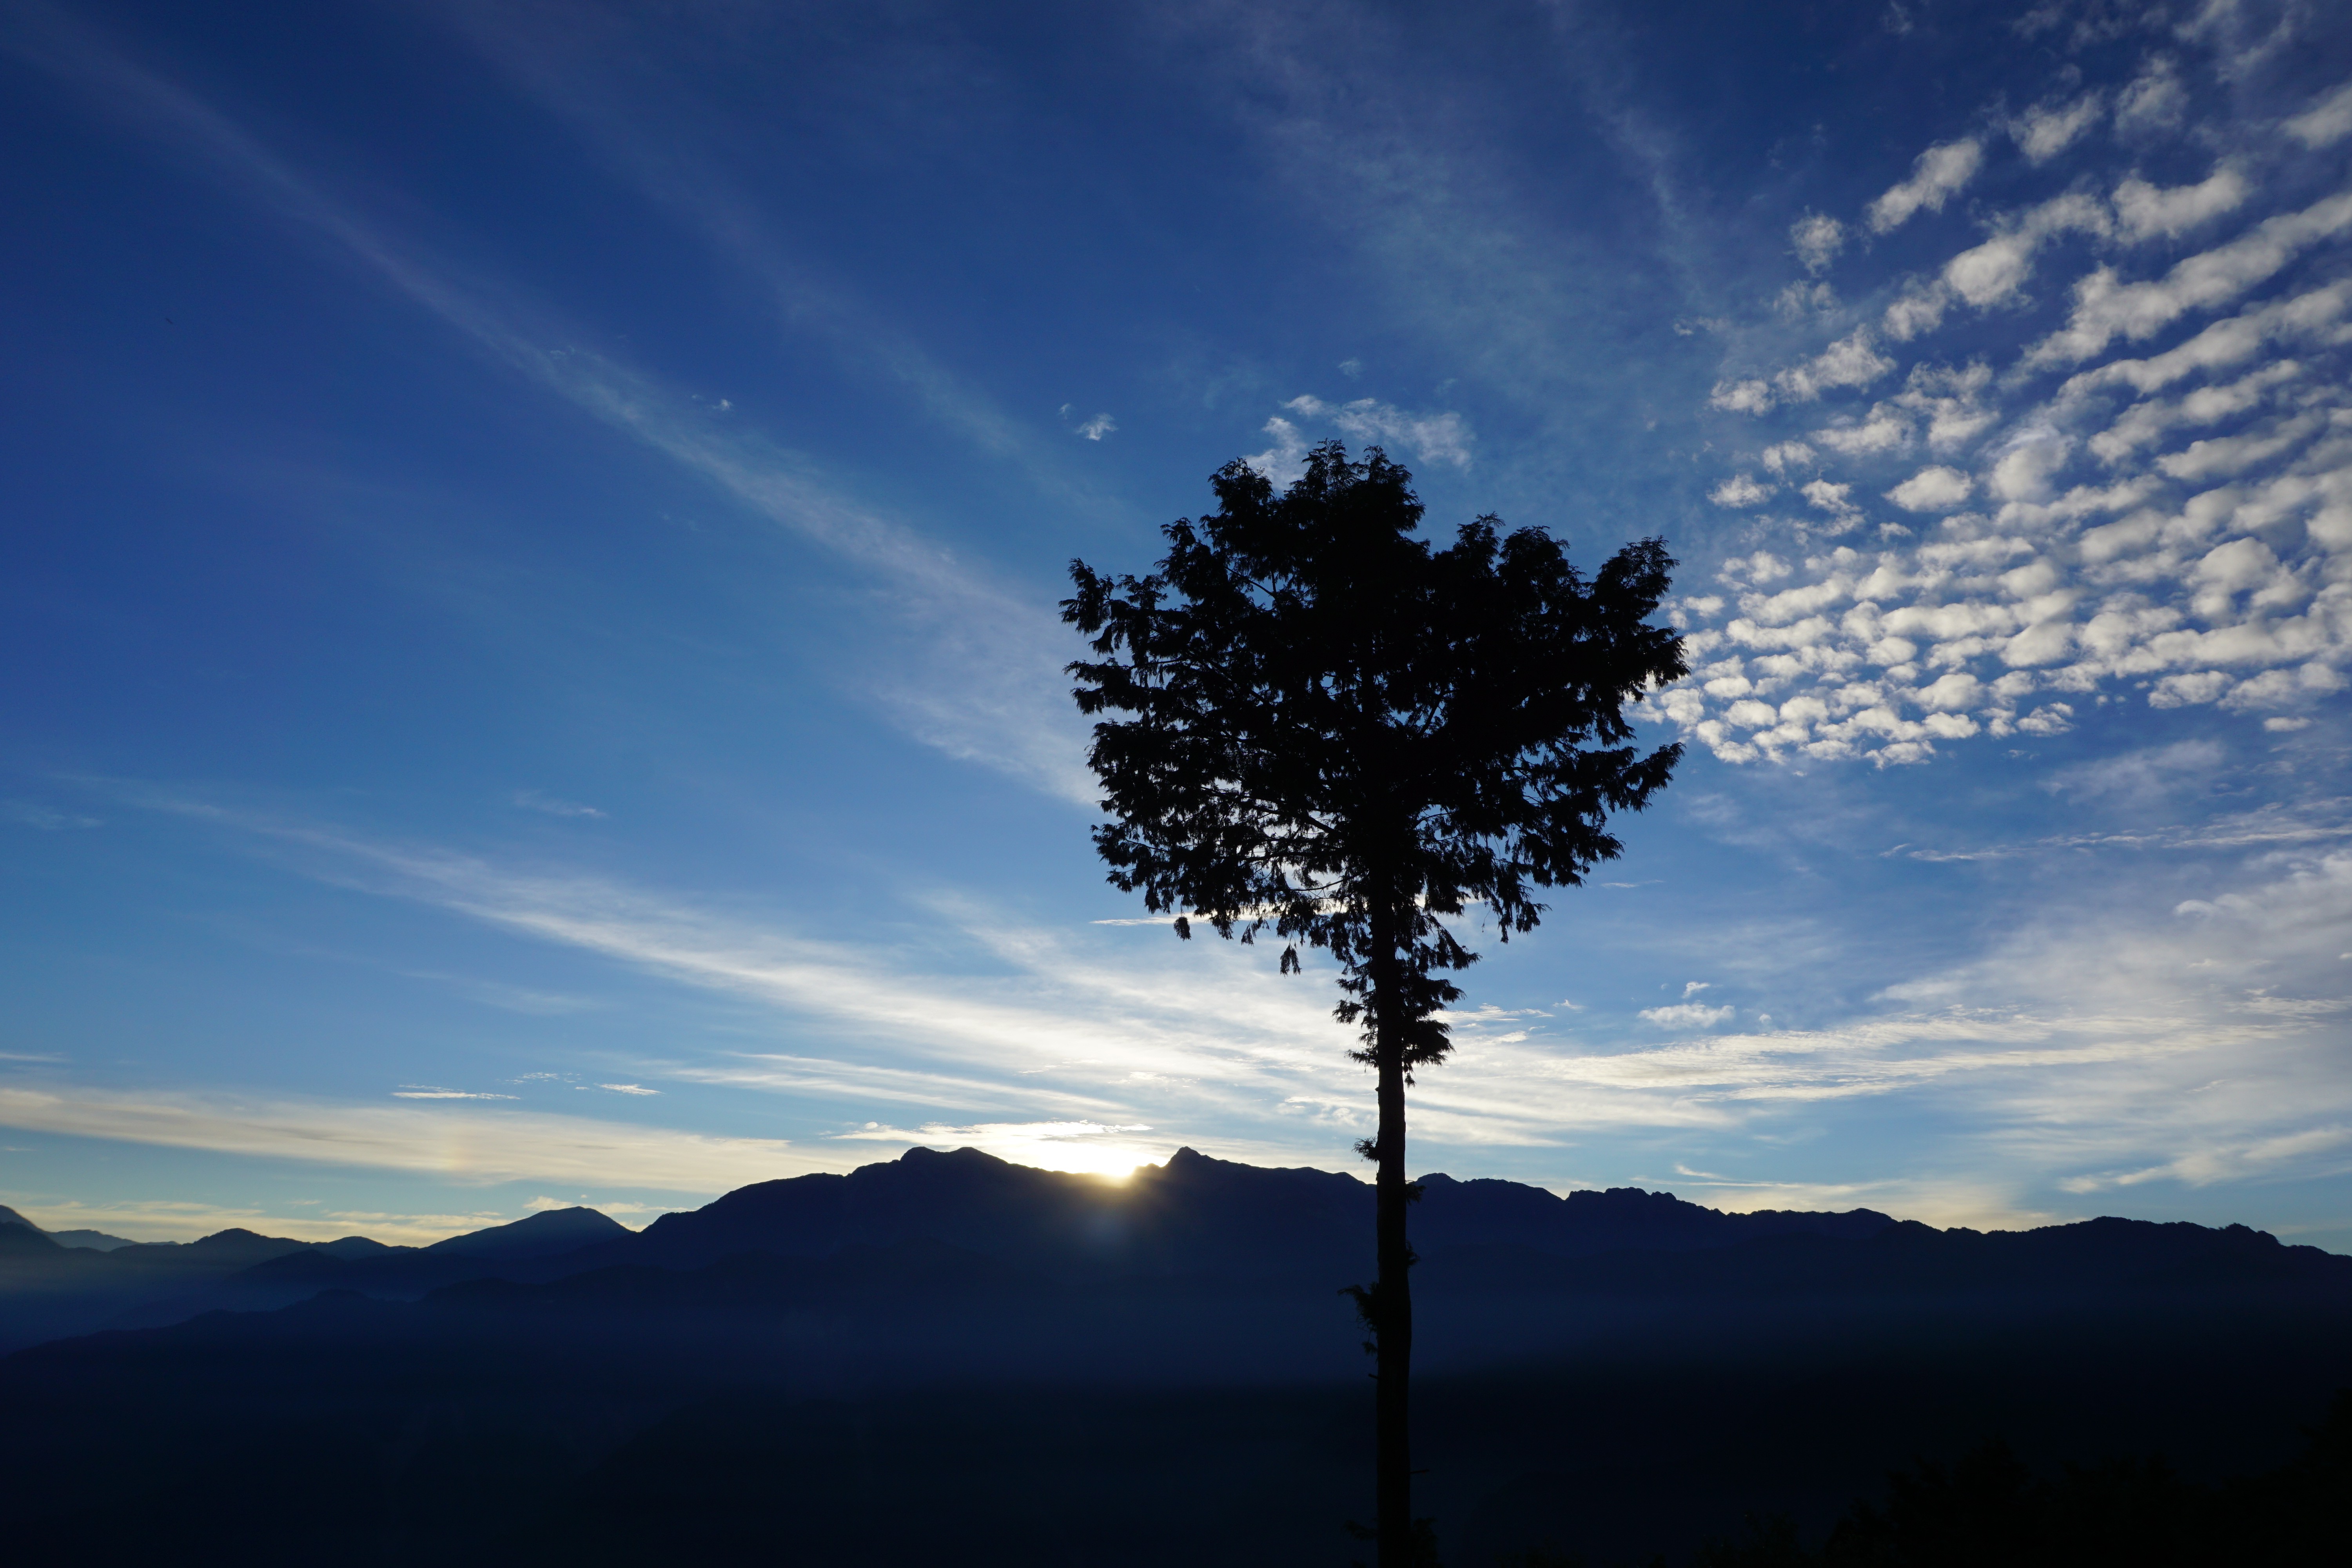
{"x": 1349, "y": 736}
{"x": 1346, "y": 735}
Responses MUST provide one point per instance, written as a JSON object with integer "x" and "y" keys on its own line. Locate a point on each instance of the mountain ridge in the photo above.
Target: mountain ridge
{"x": 1193, "y": 1218}
{"x": 944, "y": 1335}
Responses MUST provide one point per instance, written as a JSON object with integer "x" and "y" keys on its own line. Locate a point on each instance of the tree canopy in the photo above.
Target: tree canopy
{"x": 1348, "y": 736}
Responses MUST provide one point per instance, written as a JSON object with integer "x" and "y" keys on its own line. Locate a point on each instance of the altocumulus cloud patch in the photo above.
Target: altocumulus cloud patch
{"x": 2102, "y": 452}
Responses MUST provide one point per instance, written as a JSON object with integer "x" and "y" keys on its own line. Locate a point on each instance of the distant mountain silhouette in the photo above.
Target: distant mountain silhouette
{"x": 1492, "y": 1246}
{"x": 91, "y": 1240}
{"x": 945, "y": 1357}
{"x": 539, "y": 1236}
{"x": 1194, "y": 1215}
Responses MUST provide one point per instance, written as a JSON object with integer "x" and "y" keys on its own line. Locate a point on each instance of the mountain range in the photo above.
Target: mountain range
{"x": 958, "y": 1321}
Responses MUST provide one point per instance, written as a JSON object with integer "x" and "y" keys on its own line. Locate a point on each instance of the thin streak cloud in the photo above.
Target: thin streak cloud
{"x": 990, "y": 689}
{"x": 474, "y": 1146}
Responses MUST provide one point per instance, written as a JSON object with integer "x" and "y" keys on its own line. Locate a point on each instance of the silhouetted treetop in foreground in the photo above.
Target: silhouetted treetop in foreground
{"x": 1344, "y": 733}
{"x": 1335, "y": 724}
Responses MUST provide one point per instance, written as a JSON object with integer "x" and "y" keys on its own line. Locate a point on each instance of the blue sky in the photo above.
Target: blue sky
{"x": 531, "y": 663}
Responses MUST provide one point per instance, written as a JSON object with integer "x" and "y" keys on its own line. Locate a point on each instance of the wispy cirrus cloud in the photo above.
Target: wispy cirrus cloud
{"x": 608, "y": 76}
{"x": 1029, "y": 1028}
{"x": 26, "y": 813}
{"x": 472, "y": 1145}
{"x": 554, "y": 805}
{"x": 987, "y": 683}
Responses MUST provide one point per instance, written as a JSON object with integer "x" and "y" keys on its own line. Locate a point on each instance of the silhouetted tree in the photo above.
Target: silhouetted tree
{"x": 1346, "y": 735}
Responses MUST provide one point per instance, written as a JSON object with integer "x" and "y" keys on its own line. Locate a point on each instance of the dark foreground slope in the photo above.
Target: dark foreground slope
{"x": 950, "y": 1359}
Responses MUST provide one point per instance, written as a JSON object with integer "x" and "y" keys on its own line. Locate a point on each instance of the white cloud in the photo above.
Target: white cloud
{"x": 1739, "y": 490}
{"x": 2144, "y": 423}
{"x": 1824, "y": 495}
{"x": 2047, "y": 130}
{"x": 2055, "y": 718}
{"x": 1951, "y": 693}
{"x": 2028, "y": 460}
{"x": 1199, "y": 1031}
{"x": 2222, "y": 456}
{"x": 1688, "y": 1016}
{"x": 1884, "y": 429}
{"x": 1096, "y": 428}
{"x": 1782, "y": 456}
{"x": 1879, "y": 1056}
{"x": 2325, "y": 122}
{"x": 2186, "y": 690}
{"x": 2146, "y": 211}
{"x": 1817, "y": 238}
{"x": 1937, "y": 489}
{"x": 2105, "y": 309}
{"x": 2054, "y": 592}
{"x": 1797, "y": 299}
{"x": 1991, "y": 273}
{"x": 1919, "y": 309}
{"x": 1089, "y": 1147}
{"x": 1936, "y": 174}
{"x": 2110, "y": 1033}
{"x": 485, "y": 1145}
{"x": 1741, "y": 396}
{"x": 1951, "y": 400}
{"x": 2154, "y": 100}
{"x": 1851, "y": 360}
{"x": 1429, "y": 438}
{"x": 2226, "y": 342}
{"x": 1287, "y": 458}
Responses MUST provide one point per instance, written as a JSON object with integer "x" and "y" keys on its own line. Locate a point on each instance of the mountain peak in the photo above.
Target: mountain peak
{"x": 967, "y": 1156}
{"x": 541, "y": 1234}
{"x": 235, "y": 1236}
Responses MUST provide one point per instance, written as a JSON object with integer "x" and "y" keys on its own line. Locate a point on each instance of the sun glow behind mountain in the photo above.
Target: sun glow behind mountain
{"x": 1085, "y": 1148}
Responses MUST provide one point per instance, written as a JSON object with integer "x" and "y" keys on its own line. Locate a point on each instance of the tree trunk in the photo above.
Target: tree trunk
{"x": 1392, "y": 1334}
